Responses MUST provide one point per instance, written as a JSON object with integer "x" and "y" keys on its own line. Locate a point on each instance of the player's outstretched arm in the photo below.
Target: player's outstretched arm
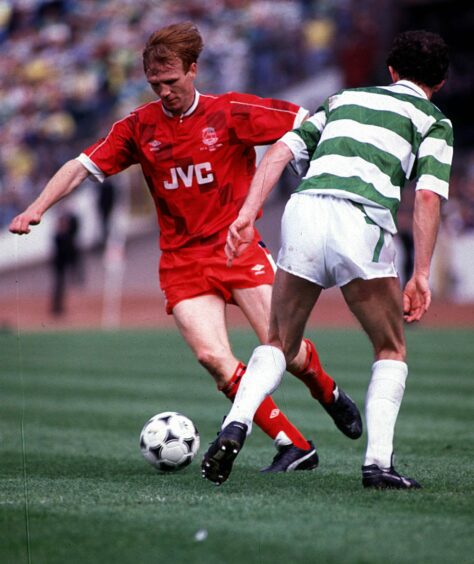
{"x": 66, "y": 179}
{"x": 241, "y": 231}
{"x": 426, "y": 217}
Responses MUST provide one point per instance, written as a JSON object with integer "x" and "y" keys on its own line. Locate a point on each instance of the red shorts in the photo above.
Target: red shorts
{"x": 192, "y": 272}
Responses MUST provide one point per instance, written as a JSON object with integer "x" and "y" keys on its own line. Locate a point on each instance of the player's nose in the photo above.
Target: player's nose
{"x": 165, "y": 91}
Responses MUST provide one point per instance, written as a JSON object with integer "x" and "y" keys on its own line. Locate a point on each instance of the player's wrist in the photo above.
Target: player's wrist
{"x": 248, "y": 215}
{"x": 422, "y": 273}
{"x": 34, "y": 213}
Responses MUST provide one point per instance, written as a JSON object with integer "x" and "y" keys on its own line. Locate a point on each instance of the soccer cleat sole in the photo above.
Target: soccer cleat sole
{"x": 217, "y": 467}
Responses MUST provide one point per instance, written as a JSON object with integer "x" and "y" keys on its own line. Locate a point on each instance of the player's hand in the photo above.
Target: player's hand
{"x": 239, "y": 237}
{"x": 20, "y": 225}
{"x": 416, "y": 298}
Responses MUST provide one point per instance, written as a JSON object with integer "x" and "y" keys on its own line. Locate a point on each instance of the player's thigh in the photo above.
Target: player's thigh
{"x": 201, "y": 322}
{"x": 255, "y": 305}
{"x": 293, "y": 299}
{"x": 377, "y": 304}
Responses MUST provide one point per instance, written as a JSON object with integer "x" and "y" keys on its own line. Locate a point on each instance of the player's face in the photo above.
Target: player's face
{"x": 174, "y": 86}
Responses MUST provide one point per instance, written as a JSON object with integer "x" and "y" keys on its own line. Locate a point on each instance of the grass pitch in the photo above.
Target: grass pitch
{"x": 75, "y": 488}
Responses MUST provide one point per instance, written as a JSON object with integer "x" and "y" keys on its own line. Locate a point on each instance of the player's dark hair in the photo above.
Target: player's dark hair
{"x": 420, "y": 56}
{"x": 182, "y": 41}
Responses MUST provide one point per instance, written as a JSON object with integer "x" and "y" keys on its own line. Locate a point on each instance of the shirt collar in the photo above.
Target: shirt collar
{"x": 412, "y": 86}
{"x": 189, "y": 111}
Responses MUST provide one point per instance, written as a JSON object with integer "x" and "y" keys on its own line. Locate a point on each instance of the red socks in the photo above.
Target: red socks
{"x": 320, "y": 384}
{"x": 268, "y": 416}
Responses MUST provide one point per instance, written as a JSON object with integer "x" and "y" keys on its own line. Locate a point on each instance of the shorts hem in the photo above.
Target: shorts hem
{"x": 169, "y": 307}
{"x": 337, "y": 284}
{"x": 350, "y": 279}
{"x": 305, "y": 277}
{"x": 252, "y": 286}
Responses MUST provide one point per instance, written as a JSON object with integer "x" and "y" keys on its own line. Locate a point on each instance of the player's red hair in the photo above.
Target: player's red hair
{"x": 182, "y": 41}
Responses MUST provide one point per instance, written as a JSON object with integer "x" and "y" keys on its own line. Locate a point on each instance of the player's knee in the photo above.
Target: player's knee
{"x": 214, "y": 363}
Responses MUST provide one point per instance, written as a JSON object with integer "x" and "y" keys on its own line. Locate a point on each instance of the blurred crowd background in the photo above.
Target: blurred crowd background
{"x": 69, "y": 68}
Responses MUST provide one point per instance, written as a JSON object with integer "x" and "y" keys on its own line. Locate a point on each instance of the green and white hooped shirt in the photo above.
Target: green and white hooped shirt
{"x": 363, "y": 144}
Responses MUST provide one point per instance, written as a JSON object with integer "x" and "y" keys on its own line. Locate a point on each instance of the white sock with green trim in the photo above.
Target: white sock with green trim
{"x": 382, "y": 404}
{"x": 262, "y": 377}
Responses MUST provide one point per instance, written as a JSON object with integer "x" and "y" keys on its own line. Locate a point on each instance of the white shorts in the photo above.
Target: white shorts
{"x": 331, "y": 241}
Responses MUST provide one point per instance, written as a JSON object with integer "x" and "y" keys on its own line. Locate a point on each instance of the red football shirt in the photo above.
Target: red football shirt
{"x": 198, "y": 166}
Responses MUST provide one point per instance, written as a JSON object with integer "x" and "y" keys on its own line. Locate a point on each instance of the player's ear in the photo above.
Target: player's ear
{"x": 193, "y": 70}
{"x": 394, "y": 74}
{"x": 437, "y": 87}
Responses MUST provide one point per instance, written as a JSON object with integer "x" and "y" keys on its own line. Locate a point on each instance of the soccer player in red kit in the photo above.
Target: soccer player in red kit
{"x": 197, "y": 155}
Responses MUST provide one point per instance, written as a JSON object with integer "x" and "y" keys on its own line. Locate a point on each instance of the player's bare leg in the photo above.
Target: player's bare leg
{"x": 377, "y": 304}
{"x": 201, "y": 321}
{"x": 255, "y": 303}
{"x": 293, "y": 299}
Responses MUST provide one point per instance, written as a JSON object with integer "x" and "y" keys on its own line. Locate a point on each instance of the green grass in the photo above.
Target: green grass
{"x": 75, "y": 488}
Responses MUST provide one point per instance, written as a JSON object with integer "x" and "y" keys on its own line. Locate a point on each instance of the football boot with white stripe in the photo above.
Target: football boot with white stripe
{"x": 386, "y": 478}
{"x": 289, "y": 458}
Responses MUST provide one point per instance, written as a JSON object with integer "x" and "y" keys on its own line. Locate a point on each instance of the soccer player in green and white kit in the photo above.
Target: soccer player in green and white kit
{"x": 359, "y": 148}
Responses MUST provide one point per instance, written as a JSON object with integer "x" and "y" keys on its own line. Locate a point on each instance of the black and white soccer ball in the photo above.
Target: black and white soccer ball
{"x": 169, "y": 441}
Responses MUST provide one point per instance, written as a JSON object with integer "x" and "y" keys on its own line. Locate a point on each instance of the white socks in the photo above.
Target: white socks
{"x": 262, "y": 377}
{"x": 384, "y": 396}
{"x": 382, "y": 403}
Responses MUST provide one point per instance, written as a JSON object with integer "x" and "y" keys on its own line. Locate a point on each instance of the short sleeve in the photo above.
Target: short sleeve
{"x": 434, "y": 159}
{"x": 113, "y": 153}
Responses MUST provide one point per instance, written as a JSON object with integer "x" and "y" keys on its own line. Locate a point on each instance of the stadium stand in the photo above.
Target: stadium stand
{"x": 70, "y": 68}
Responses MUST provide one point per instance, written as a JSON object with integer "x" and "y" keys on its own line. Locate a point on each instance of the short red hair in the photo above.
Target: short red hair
{"x": 177, "y": 41}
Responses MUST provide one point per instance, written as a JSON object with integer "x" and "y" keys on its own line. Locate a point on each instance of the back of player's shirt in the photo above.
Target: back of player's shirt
{"x": 363, "y": 144}
{"x": 197, "y": 166}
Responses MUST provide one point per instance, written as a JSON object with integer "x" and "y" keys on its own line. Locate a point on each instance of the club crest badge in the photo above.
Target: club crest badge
{"x": 209, "y": 137}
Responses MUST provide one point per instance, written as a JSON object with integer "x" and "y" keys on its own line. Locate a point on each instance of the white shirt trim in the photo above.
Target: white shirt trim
{"x": 409, "y": 85}
{"x": 93, "y": 169}
{"x": 189, "y": 111}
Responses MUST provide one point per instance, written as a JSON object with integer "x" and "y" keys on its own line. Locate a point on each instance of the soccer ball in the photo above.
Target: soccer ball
{"x": 169, "y": 441}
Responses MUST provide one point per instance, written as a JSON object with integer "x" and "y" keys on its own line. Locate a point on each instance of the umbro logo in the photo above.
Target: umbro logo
{"x": 274, "y": 413}
{"x": 258, "y": 269}
{"x": 154, "y": 145}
